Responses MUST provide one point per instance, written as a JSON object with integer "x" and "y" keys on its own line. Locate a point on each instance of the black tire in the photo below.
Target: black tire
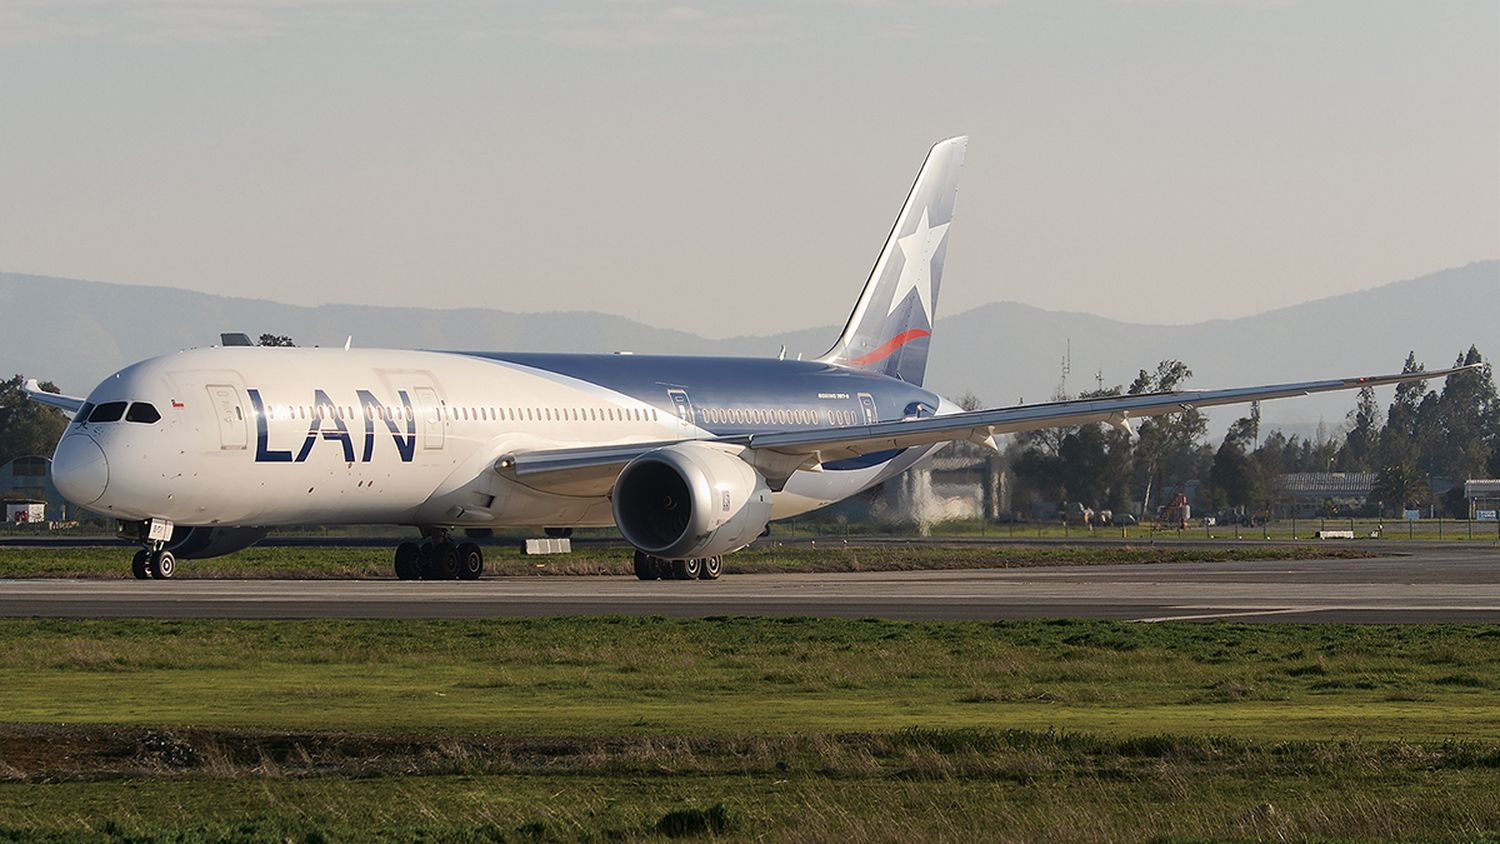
{"x": 686, "y": 569}
{"x": 140, "y": 565}
{"x": 470, "y": 561}
{"x": 645, "y": 566}
{"x": 558, "y": 533}
{"x": 163, "y": 565}
{"x": 408, "y": 561}
{"x": 445, "y": 562}
{"x": 712, "y": 568}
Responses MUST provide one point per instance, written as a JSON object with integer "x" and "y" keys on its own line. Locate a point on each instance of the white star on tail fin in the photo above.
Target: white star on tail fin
{"x": 917, "y": 249}
{"x": 894, "y": 342}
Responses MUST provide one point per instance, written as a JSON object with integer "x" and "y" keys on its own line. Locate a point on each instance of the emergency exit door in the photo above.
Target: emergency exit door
{"x": 867, "y": 404}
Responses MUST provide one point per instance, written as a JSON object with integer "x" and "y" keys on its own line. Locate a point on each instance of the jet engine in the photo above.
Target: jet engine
{"x": 196, "y": 543}
{"x": 690, "y": 500}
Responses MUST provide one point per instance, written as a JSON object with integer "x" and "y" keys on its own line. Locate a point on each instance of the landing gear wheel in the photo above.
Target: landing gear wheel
{"x": 444, "y": 562}
{"x": 558, "y": 533}
{"x": 686, "y": 569}
{"x": 470, "y": 561}
{"x": 163, "y": 565}
{"x": 712, "y": 568}
{"x": 645, "y": 566}
{"x": 408, "y": 561}
{"x": 139, "y": 566}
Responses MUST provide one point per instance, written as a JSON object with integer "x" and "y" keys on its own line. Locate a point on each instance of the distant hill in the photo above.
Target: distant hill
{"x": 76, "y": 332}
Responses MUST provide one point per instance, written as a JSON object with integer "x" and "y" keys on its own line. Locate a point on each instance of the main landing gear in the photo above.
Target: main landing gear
{"x": 439, "y": 558}
{"x": 648, "y": 567}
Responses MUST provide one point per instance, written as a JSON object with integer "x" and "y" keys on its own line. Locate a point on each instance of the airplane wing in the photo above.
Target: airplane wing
{"x": 592, "y": 470}
{"x": 35, "y": 392}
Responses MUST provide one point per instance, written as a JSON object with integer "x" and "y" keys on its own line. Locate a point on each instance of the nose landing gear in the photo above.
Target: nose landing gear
{"x": 439, "y": 558}
{"x": 153, "y": 561}
{"x": 153, "y": 565}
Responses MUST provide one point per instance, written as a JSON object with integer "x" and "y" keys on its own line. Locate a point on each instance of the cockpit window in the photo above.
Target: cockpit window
{"x": 142, "y": 412}
{"x": 110, "y": 411}
{"x": 83, "y": 413}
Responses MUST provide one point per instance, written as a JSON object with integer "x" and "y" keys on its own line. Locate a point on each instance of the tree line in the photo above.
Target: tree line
{"x": 1424, "y": 434}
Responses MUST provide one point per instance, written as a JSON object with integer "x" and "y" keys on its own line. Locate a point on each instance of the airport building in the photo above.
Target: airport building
{"x": 1308, "y": 491}
{"x": 28, "y": 479}
{"x": 1484, "y": 498}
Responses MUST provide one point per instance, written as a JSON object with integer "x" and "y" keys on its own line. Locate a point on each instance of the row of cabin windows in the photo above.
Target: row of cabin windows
{"x": 113, "y": 411}
{"x": 777, "y": 416}
{"x": 404, "y": 413}
{"x": 146, "y": 413}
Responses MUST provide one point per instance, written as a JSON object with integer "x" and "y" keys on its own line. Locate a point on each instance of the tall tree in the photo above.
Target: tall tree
{"x": 275, "y": 340}
{"x": 1398, "y": 437}
{"x": 1233, "y": 475}
{"x": 1245, "y": 431}
{"x": 1399, "y": 486}
{"x": 27, "y": 427}
{"x": 1427, "y": 435}
{"x": 1465, "y": 411}
{"x": 1168, "y": 449}
{"x": 1360, "y": 443}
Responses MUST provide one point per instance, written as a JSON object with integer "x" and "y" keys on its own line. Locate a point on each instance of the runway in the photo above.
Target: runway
{"x": 1458, "y": 583}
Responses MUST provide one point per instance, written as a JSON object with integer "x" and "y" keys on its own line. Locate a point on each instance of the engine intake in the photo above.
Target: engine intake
{"x": 690, "y": 500}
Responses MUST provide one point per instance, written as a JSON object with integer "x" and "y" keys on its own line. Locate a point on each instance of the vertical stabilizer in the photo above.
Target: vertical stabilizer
{"x": 891, "y": 327}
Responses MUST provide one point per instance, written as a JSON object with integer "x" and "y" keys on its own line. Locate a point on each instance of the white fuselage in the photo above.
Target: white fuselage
{"x": 283, "y": 436}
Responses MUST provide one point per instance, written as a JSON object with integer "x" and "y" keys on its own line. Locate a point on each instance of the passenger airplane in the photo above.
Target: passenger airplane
{"x": 199, "y": 453}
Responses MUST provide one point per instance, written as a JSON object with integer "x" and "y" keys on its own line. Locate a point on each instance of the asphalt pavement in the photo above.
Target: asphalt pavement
{"x": 1448, "y": 582}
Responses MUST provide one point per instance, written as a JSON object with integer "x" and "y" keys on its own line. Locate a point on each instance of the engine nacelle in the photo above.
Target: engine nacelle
{"x": 690, "y": 500}
{"x": 197, "y": 543}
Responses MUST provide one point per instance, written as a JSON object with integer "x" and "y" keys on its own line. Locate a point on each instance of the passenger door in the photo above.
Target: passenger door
{"x": 684, "y": 409}
{"x": 867, "y": 404}
{"x": 230, "y": 413}
{"x": 433, "y": 426}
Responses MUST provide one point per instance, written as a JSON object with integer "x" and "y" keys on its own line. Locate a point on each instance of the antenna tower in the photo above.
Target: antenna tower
{"x": 1067, "y": 367}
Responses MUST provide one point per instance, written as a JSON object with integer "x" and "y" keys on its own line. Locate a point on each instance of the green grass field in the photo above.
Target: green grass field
{"x": 829, "y": 556}
{"x": 742, "y": 675}
{"x": 798, "y": 729}
{"x": 900, "y": 792}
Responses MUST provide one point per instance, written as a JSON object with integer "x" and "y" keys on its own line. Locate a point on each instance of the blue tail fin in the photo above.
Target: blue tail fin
{"x": 891, "y": 327}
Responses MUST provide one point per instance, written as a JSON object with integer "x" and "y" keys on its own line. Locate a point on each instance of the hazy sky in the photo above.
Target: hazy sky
{"x": 732, "y": 168}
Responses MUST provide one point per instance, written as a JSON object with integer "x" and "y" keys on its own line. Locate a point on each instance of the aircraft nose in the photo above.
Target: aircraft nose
{"x": 79, "y": 469}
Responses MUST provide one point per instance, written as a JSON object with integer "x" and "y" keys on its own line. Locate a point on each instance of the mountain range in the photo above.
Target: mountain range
{"x": 76, "y": 332}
